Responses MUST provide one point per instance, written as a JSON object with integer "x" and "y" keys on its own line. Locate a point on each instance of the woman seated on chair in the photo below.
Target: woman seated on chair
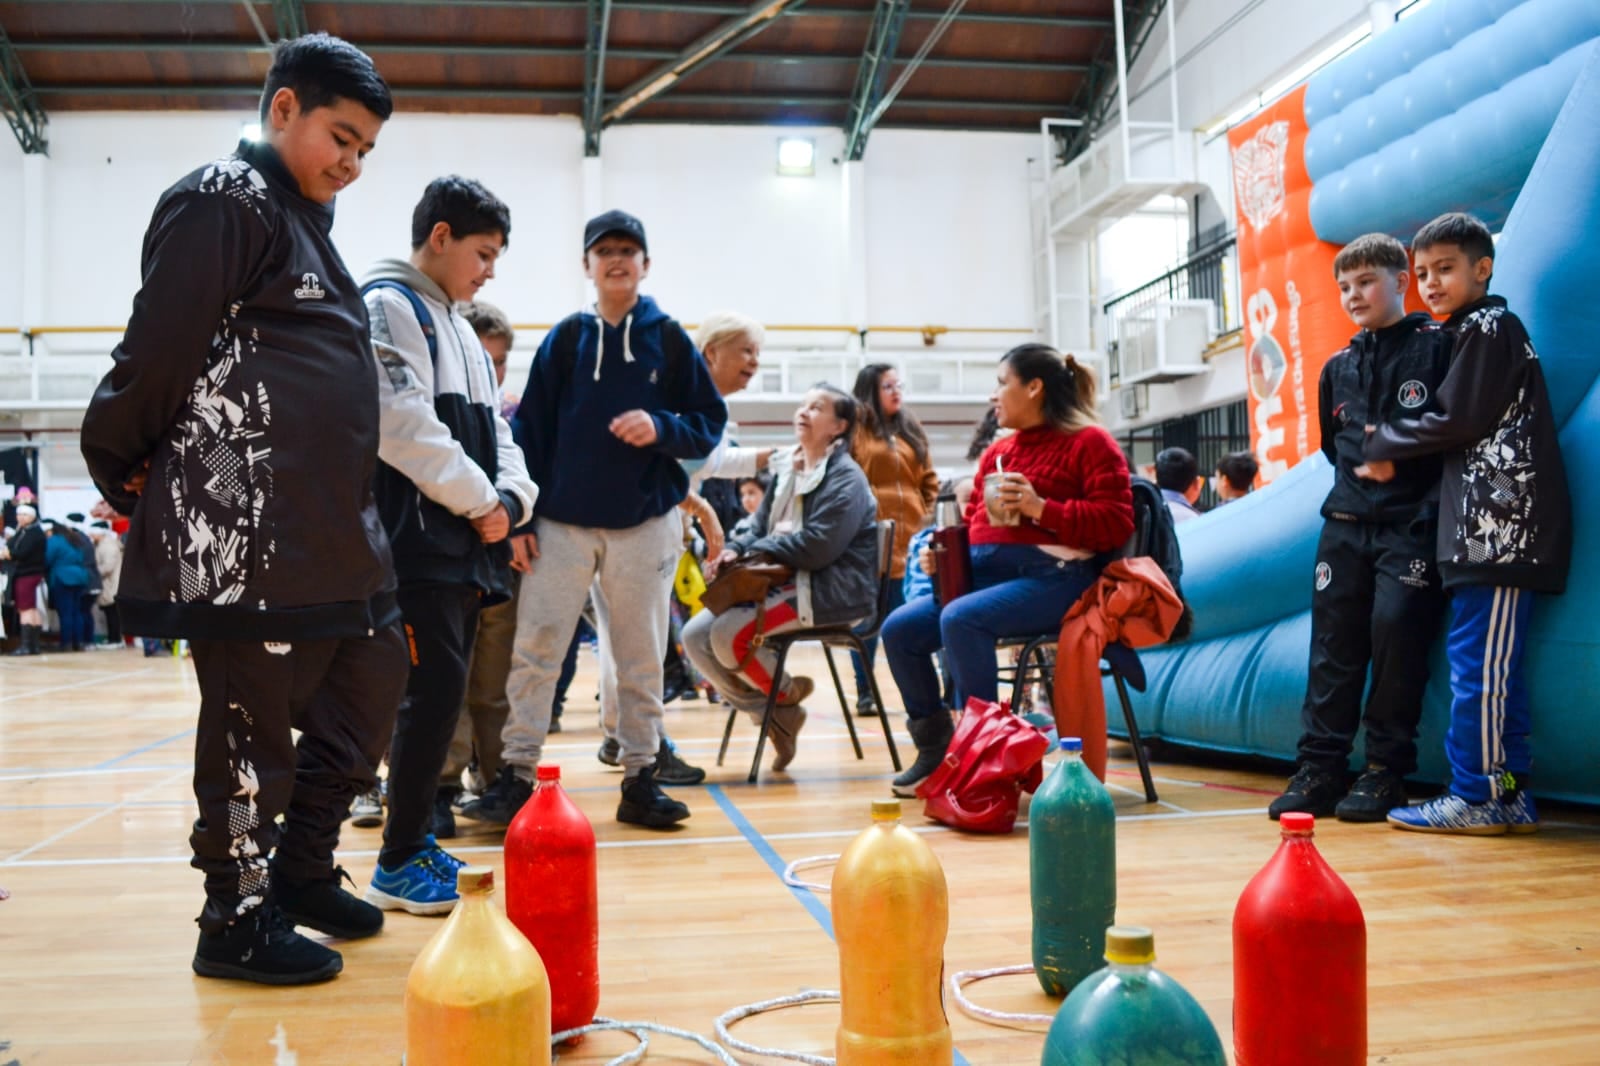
{"x": 1052, "y": 501}
{"x": 818, "y": 519}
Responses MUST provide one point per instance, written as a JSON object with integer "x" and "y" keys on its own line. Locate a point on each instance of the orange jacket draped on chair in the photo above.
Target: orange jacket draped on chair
{"x": 1132, "y": 602}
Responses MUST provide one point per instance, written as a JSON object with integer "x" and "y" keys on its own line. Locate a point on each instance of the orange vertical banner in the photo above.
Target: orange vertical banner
{"x": 1292, "y": 318}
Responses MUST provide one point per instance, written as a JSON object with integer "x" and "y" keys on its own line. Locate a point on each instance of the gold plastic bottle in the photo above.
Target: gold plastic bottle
{"x": 477, "y": 994}
{"x": 890, "y": 915}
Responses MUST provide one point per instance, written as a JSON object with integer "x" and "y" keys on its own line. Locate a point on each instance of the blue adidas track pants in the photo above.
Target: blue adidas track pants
{"x": 1489, "y": 712}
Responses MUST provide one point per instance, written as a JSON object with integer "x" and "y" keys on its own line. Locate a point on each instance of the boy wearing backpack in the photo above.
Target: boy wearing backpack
{"x": 451, "y": 486}
{"x": 616, "y": 397}
{"x": 1376, "y": 595}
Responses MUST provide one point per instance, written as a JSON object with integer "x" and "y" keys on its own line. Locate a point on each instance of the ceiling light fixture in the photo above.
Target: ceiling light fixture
{"x": 797, "y": 157}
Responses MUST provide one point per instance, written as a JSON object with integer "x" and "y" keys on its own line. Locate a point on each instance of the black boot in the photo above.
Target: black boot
{"x": 643, "y": 802}
{"x": 932, "y": 737}
{"x": 27, "y": 641}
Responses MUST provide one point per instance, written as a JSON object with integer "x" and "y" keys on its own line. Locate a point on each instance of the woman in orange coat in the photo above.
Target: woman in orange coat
{"x": 892, "y": 449}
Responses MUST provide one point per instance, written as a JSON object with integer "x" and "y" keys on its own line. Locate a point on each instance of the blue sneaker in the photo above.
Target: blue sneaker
{"x": 1450, "y": 813}
{"x": 1521, "y": 815}
{"x": 423, "y": 884}
{"x": 444, "y": 856}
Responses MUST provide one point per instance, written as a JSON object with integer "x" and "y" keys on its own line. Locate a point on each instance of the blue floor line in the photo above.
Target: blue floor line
{"x": 141, "y": 751}
{"x": 770, "y": 856}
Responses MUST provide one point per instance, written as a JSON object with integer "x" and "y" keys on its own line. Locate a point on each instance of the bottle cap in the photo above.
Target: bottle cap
{"x": 1130, "y": 945}
{"x": 475, "y": 879}
{"x": 1071, "y": 744}
{"x": 1298, "y": 822}
{"x": 885, "y": 810}
{"x": 549, "y": 773}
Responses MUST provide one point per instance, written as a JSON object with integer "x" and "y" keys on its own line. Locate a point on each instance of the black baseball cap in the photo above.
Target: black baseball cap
{"x": 619, "y": 222}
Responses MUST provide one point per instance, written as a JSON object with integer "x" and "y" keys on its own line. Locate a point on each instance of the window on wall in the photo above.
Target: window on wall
{"x": 1208, "y": 435}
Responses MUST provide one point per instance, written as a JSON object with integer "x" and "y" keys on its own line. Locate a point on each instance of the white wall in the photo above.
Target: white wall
{"x": 11, "y": 228}
{"x": 948, "y": 238}
{"x": 1230, "y": 49}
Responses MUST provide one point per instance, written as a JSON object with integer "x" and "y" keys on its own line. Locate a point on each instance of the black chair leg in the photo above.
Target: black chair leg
{"x": 1034, "y": 649}
{"x": 766, "y": 715}
{"x": 1134, "y": 739}
{"x": 727, "y": 732}
{"x": 844, "y": 704}
{"x": 883, "y": 716}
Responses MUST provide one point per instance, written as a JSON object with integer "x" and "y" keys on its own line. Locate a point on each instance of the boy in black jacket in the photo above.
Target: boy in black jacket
{"x": 1376, "y": 598}
{"x": 239, "y": 428}
{"x": 1506, "y": 532}
{"x": 451, "y": 487}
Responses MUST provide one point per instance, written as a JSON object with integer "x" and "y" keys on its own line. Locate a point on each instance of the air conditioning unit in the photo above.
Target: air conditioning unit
{"x": 1164, "y": 341}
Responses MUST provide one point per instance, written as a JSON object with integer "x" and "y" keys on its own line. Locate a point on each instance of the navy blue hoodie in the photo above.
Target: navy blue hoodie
{"x": 588, "y": 372}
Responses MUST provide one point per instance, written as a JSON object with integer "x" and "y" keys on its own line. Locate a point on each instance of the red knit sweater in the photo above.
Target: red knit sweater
{"x": 1083, "y": 479}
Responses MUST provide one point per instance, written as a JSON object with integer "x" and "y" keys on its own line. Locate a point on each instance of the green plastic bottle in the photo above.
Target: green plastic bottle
{"x": 1072, "y": 868}
{"x": 1131, "y": 1014}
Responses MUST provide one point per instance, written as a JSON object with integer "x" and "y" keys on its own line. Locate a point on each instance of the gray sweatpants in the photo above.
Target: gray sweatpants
{"x": 627, "y": 569}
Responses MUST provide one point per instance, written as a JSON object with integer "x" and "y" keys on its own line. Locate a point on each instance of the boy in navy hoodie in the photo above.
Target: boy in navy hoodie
{"x": 616, "y": 396}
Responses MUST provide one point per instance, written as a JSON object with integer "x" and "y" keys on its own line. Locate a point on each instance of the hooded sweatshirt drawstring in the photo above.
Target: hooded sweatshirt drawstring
{"x": 600, "y": 340}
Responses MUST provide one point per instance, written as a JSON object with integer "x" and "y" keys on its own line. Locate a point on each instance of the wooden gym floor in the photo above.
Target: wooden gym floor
{"x": 1481, "y": 950}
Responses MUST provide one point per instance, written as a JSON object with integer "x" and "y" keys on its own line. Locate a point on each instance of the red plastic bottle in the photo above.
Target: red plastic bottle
{"x": 551, "y": 897}
{"x": 1299, "y": 961}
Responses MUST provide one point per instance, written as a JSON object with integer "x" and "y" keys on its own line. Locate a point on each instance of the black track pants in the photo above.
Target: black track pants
{"x": 441, "y": 622}
{"x": 1377, "y": 601}
{"x": 341, "y": 695}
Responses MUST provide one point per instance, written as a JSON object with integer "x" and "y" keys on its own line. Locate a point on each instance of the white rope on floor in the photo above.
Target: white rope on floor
{"x": 995, "y": 1017}
{"x": 640, "y": 1032}
{"x": 795, "y": 867}
{"x": 751, "y": 1009}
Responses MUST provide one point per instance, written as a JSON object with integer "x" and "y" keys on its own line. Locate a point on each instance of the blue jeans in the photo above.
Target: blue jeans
{"x": 897, "y": 597}
{"x": 1017, "y": 591}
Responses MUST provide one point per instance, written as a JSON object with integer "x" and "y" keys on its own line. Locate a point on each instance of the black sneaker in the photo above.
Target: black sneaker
{"x": 1312, "y": 790}
{"x": 610, "y": 752}
{"x": 1375, "y": 793}
{"x": 444, "y": 816}
{"x": 643, "y": 803}
{"x": 325, "y": 906}
{"x": 502, "y": 800}
{"x": 263, "y": 947}
{"x": 671, "y": 770}
{"x": 865, "y": 708}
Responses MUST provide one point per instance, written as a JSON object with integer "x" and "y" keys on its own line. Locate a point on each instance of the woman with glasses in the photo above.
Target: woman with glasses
{"x": 892, "y": 450}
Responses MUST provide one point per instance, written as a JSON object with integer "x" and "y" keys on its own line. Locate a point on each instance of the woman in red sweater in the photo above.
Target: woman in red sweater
{"x": 1061, "y": 504}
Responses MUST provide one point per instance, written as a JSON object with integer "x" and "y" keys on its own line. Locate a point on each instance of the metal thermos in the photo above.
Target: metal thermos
{"x": 952, "y": 573}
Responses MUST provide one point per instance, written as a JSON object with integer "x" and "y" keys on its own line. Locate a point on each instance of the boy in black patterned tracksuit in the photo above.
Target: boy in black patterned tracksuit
{"x": 1506, "y": 531}
{"x": 1376, "y": 595}
{"x": 239, "y": 428}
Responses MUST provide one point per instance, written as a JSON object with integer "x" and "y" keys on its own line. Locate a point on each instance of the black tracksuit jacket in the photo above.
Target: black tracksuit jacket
{"x": 1506, "y": 516}
{"x": 246, "y": 379}
{"x": 1384, "y": 375}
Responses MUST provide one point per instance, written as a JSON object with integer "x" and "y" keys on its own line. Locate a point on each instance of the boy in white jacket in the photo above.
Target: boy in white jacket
{"x": 451, "y": 486}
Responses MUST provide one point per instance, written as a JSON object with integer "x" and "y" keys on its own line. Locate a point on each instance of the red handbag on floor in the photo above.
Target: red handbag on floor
{"x": 992, "y": 758}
